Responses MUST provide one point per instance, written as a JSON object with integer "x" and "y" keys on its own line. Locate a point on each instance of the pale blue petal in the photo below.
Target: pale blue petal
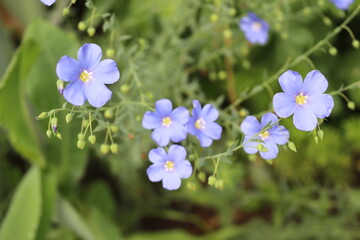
{"x": 321, "y": 104}
{"x": 163, "y": 107}
{"x": 184, "y": 169}
{"x": 158, "y": 155}
{"x": 180, "y": 115}
{"x": 213, "y": 130}
{"x": 250, "y": 126}
{"x": 156, "y": 172}
{"x": 68, "y": 69}
{"x": 304, "y": 119}
{"x": 314, "y": 83}
{"x": 272, "y": 152}
{"x": 279, "y": 134}
{"x": 291, "y": 83}
{"x": 250, "y": 147}
{"x": 171, "y": 181}
{"x": 97, "y": 93}
{"x": 48, "y": 2}
{"x": 284, "y": 105}
{"x": 177, "y": 154}
{"x": 74, "y": 93}
{"x": 197, "y": 109}
{"x": 161, "y": 136}
{"x": 268, "y": 118}
{"x": 178, "y": 132}
{"x": 89, "y": 56}
{"x": 342, "y": 4}
{"x": 151, "y": 120}
{"x": 106, "y": 72}
{"x": 191, "y": 126}
{"x": 205, "y": 141}
{"x": 209, "y": 113}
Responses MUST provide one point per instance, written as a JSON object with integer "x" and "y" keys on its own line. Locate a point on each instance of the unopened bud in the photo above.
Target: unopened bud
{"x": 48, "y": 133}
{"x": 211, "y": 180}
{"x": 81, "y": 26}
{"x": 65, "y": 11}
{"x": 327, "y": 21}
{"x": 91, "y": 31}
{"x": 60, "y": 86}
{"x": 351, "y": 105}
{"x": 108, "y": 113}
{"x": 214, "y": 18}
{"x": 92, "y": 139}
{"x": 222, "y": 75}
{"x": 42, "y": 115}
{"x": 85, "y": 123}
{"x": 124, "y": 88}
{"x": 232, "y": 12}
{"x": 227, "y": 33}
{"x": 104, "y": 148}
{"x": 332, "y": 51}
{"x": 68, "y": 117}
{"x": 219, "y": 184}
{"x": 58, "y": 135}
{"x": 114, "y": 148}
{"x": 114, "y": 128}
{"x": 356, "y": 44}
{"x": 81, "y": 144}
{"x": 110, "y": 52}
{"x": 191, "y": 186}
{"x": 202, "y": 176}
{"x": 80, "y": 136}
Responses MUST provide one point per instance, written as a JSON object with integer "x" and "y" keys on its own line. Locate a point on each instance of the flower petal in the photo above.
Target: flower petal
{"x": 321, "y": 104}
{"x": 268, "y": 118}
{"x": 304, "y": 119}
{"x": 315, "y": 83}
{"x": 205, "y": 141}
{"x": 291, "y": 82}
{"x": 89, "y": 56}
{"x": 163, "y": 107}
{"x": 250, "y": 147}
{"x": 151, "y": 120}
{"x": 161, "y": 136}
{"x": 284, "y": 105}
{"x": 97, "y": 93}
{"x": 213, "y": 130}
{"x": 190, "y": 126}
{"x": 157, "y": 155}
{"x": 180, "y": 115}
{"x": 68, "y": 69}
{"x": 156, "y": 172}
{"x": 74, "y": 93}
{"x": 184, "y": 169}
{"x": 48, "y": 2}
{"x": 177, "y": 154}
{"x": 177, "y": 132}
{"x": 209, "y": 113}
{"x": 279, "y": 134}
{"x": 272, "y": 152}
{"x": 197, "y": 109}
{"x": 106, "y": 72}
{"x": 171, "y": 181}
{"x": 250, "y": 126}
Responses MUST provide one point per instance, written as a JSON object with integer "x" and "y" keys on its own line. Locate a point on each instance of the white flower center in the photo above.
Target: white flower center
{"x": 301, "y": 99}
{"x": 166, "y": 121}
{"x": 169, "y": 166}
{"x": 85, "y": 76}
{"x": 265, "y": 135}
{"x": 200, "y": 124}
{"x": 256, "y": 26}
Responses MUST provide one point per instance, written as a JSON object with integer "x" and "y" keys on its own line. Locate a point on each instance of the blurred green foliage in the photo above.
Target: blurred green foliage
{"x": 50, "y": 189}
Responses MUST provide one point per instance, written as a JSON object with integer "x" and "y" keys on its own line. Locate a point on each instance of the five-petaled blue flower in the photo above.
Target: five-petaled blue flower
{"x": 202, "y": 124}
{"x": 303, "y": 99}
{"x": 169, "y": 167}
{"x": 167, "y": 124}
{"x": 277, "y": 134}
{"x": 48, "y": 2}
{"x": 342, "y": 4}
{"x": 87, "y": 76}
{"x": 256, "y": 29}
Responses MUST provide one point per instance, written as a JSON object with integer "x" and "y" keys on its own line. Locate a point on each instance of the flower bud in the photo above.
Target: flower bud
{"x": 80, "y": 136}
{"x": 211, "y": 180}
{"x": 214, "y": 18}
{"x": 332, "y": 51}
{"x": 42, "y": 115}
{"x": 351, "y": 105}
{"x": 65, "y": 11}
{"x": 68, "y": 117}
{"x": 91, "y": 31}
{"x": 60, "y": 86}
{"x": 222, "y": 75}
{"x": 114, "y": 128}
{"x": 356, "y": 44}
{"x": 108, "y": 113}
{"x": 92, "y": 139}
{"x": 202, "y": 176}
{"x": 58, "y": 135}
{"x": 191, "y": 186}
{"x": 114, "y": 148}
{"x": 124, "y": 88}
{"x": 219, "y": 184}
{"x": 73, "y": 1}
{"x": 104, "y": 148}
{"x": 227, "y": 33}
{"x": 81, "y": 26}
{"x": 232, "y": 12}
{"x": 81, "y": 144}
{"x": 110, "y": 52}
{"x": 85, "y": 123}
{"x": 48, "y": 133}
{"x": 327, "y": 21}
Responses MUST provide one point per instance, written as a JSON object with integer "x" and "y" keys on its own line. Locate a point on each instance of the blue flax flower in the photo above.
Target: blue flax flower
{"x": 342, "y": 4}
{"x": 167, "y": 124}
{"x": 303, "y": 99}
{"x": 48, "y": 2}
{"x": 87, "y": 76}
{"x": 276, "y": 135}
{"x": 202, "y": 124}
{"x": 256, "y": 29}
{"x": 169, "y": 167}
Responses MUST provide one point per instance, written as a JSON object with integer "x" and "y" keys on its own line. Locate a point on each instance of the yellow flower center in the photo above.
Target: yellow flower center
{"x": 264, "y": 135}
{"x": 85, "y": 76}
{"x": 256, "y": 26}
{"x": 301, "y": 99}
{"x": 169, "y": 166}
{"x": 166, "y": 122}
{"x": 200, "y": 123}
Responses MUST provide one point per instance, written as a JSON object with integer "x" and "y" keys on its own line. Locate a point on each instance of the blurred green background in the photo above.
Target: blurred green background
{"x": 181, "y": 50}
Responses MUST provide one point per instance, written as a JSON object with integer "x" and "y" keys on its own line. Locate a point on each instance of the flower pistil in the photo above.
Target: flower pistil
{"x": 166, "y": 122}
{"x": 169, "y": 166}
{"x": 200, "y": 124}
{"x": 301, "y": 99}
{"x": 85, "y": 76}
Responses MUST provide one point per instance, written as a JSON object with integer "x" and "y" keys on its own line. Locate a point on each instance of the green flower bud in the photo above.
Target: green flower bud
{"x": 65, "y": 11}
{"x": 202, "y": 176}
{"x": 81, "y": 26}
{"x": 68, "y": 117}
{"x": 85, "y": 123}
{"x": 81, "y": 144}
{"x": 114, "y": 128}
{"x": 219, "y": 184}
{"x": 356, "y": 44}
{"x": 92, "y": 139}
{"x": 211, "y": 180}
{"x": 48, "y": 133}
{"x": 42, "y": 115}
{"x": 332, "y": 51}
{"x": 110, "y": 52}
{"x": 114, "y": 148}
{"x": 54, "y": 121}
{"x": 214, "y": 18}
{"x": 232, "y": 12}
{"x": 191, "y": 186}
{"x": 73, "y": 1}
{"x": 124, "y": 88}
{"x": 222, "y": 75}
{"x": 227, "y": 33}
{"x": 58, "y": 135}
{"x": 91, "y": 31}
{"x": 104, "y": 148}
{"x": 327, "y": 21}
{"x": 108, "y": 113}
{"x": 80, "y": 136}
{"x": 351, "y": 105}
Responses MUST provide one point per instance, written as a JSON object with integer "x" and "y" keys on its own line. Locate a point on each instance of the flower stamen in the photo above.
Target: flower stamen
{"x": 85, "y": 76}
{"x": 256, "y": 26}
{"x": 301, "y": 99}
{"x": 265, "y": 135}
{"x": 200, "y": 124}
{"x": 169, "y": 166}
{"x": 166, "y": 122}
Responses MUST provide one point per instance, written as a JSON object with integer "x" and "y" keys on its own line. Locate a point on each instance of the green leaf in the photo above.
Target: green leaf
{"x": 24, "y": 213}
{"x": 12, "y": 96}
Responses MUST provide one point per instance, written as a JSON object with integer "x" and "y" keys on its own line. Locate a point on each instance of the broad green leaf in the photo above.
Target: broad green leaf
{"x": 23, "y": 216}
{"x": 12, "y": 97}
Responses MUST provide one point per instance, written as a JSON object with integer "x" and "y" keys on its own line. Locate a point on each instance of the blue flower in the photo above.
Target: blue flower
{"x": 256, "y": 29}
{"x": 202, "y": 124}
{"x": 167, "y": 124}
{"x": 342, "y": 4}
{"x": 303, "y": 99}
{"x": 87, "y": 76}
{"x": 276, "y": 135}
{"x": 48, "y": 2}
{"x": 169, "y": 167}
